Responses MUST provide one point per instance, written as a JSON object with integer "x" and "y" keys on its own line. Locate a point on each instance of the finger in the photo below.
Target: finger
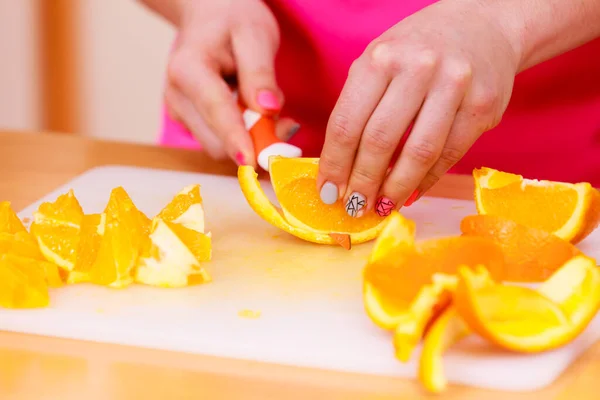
{"x": 345, "y": 126}
{"x": 182, "y": 110}
{"x": 201, "y": 82}
{"x": 286, "y": 128}
{"x": 382, "y": 135}
{"x": 254, "y": 49}
{"x": 427, "y": 139}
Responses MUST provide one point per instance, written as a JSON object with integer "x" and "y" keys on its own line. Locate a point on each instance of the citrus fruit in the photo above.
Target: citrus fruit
{"x": 527, "y": 320}
{"x": 170, "y": 261}
{"x": 125, "y": 234}
{"x": 398, "y": 282}
{"x": 20, "y": 244}
{"x": 35, "y": 266}
{"x": 445, "y": 331}
{"x": 90, "y": 238}
{"x": 294, "y": 183}
{"x": 22, "y": 287}
{"x": 65, "y": 210}
{"x": 303, "y": 214}
{"x": 9, "y": 221}
{"x": 186, "y": 209}
{"x": 530, "y": 254}
{"x": 570, "y": 211}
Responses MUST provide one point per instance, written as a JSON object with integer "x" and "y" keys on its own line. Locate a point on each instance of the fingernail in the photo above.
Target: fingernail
{"x": 267, "y": 100}
{"x": 293, "y": 130}
{"x": 356, "y": 202}
{"x": 240, "y": 159}
{"x": 412, "y": 198}
{"x": 329, "y": 193}
{"x": 384, "y": 206}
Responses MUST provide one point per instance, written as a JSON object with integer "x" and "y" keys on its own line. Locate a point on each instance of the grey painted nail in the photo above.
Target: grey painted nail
{"x": 329, "y": 193}
{"x": 293, "y": 130}
{"x": 356, "y": 202}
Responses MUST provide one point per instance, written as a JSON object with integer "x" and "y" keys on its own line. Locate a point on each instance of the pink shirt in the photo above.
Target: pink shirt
{"x": 551, "y": 129}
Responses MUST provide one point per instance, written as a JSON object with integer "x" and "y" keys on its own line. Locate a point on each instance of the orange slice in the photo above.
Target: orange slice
{"x": 22, "y": 287}
{"x": 9, "y": 221}
{"x": 531, "y": 255}
{"x": 399, "y": 287}
{"x": 294, "y": 183}
{"x": 185, "y": 209}
{"x": 20, "y": 244}
{"x": 570, "y": 211}
{"x": 360, "y": 229}
{"x": 446, "y": 331}
{"x": 175, "y": 256}
{"x": 58, "y": 243}
{"x": 124, "y": 236}
{"x": 65, "y": 210}
{"x": 527, "y": 320}
{"x": 32, "y": 266}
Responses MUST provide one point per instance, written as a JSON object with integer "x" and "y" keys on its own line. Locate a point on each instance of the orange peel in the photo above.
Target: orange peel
{"x": 527, "y": 320}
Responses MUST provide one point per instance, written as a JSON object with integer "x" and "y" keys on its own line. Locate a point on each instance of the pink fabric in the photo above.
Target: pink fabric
{"x": 551, "y": 129}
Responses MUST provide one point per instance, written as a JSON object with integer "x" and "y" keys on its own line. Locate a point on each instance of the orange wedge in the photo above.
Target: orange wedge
{"x": 531, "y": 255}
{"x": 302, "y": 213}
{"x": 446, "y": 331}
{"x": 90, "y": 238}
{"x": 570, "y": 211}
{"x": 22, "y": 287}
{"x": 186, "y": 209}
{"x": 175, "y": 256}
{"x": 33, "y": 266}
{"x": 399, "y": 287}
{"x": 124, "y": 236}
{"x": 65, "y": 210}
{"x": 527, "y": 320}
{"x": 9, "y": 221}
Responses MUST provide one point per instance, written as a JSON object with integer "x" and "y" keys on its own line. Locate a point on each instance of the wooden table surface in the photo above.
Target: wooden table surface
{"x": 32, "y": 367}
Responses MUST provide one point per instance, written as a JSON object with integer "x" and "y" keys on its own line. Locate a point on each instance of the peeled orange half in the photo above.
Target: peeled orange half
{"x": 302, "y": 212}
{"x": 569, "y": 211}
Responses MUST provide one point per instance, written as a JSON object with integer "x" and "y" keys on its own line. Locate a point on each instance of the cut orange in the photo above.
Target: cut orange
{"x": 446, "y": 331}
{"x": 527, "y": 320}
{"x": 175, "y": 256}
{"x": 294, "y": 183}
{"x": 303, "y": 214}
{"x": 22, "y": 287}
{"x": 124, "y": 236}
{"x": 58, "y": 243}
{"x": 570, "y": 211}
{"x": 531, "y": 255}
{"x": 185, "y": 209}
{"x": 32, "y": 266}
{"x": 398, "y": 280}
{"x": 9, "y": 221}
{"x": 90, "y": 238}
{"x": 20, "y": 244}
{"x": 65, "y": 210}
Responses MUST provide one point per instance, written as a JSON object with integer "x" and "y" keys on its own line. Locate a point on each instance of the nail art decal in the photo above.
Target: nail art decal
{"x": 384, "y": 207}
{"x": 356, "y": 202}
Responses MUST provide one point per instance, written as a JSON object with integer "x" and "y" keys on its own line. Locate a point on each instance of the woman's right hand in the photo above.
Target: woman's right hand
{"x": 219, "y": 40}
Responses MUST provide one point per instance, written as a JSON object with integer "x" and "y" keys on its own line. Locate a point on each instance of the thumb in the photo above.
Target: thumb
{"x": 254, "y": 50}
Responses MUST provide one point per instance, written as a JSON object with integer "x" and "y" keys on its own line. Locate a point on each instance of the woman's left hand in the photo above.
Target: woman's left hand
{"x": 448, "y": 70}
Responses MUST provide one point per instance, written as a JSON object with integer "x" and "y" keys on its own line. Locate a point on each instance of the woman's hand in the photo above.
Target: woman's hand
{"x": 448, "y": 70}
{"x": 219, "y": 40}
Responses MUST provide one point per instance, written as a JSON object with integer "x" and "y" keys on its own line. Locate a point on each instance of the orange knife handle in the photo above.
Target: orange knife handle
{"x": 260, "y": 127}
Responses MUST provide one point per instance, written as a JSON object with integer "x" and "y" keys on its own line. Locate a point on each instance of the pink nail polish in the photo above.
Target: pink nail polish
{"x": 239, "y": 158}
{"x": 412, "y": 198}
{"x": 384, "y": 206}
{"x": 267, "y": 100}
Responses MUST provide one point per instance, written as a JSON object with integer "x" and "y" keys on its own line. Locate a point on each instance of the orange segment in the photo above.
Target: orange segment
{"x": 185, "y": 209}
{"x": 174, "y": 258}
{"x": 20, "y": 244}
{"x": 531, "y": 255}
{"x": 294, "y": 183}
{"x": 526, "y": 320}
{"x": 125, "y": 233}
{"x": 65, "y": 210}
{"x": 32, "y": 266}
{"x": 90, "y": 238}
{"x": 22, "y": 288}
{"x": 446, "y": 331}
{"x": 9, "y": 221}
{"x": 570, "y": 211}
{"x": 58, "y": 243}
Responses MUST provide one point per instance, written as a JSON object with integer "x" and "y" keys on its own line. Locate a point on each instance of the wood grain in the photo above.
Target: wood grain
{"x": 36, "y": 367}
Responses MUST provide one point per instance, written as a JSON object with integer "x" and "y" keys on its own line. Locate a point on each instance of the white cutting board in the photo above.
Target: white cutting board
{"x": 308, "y": 296}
